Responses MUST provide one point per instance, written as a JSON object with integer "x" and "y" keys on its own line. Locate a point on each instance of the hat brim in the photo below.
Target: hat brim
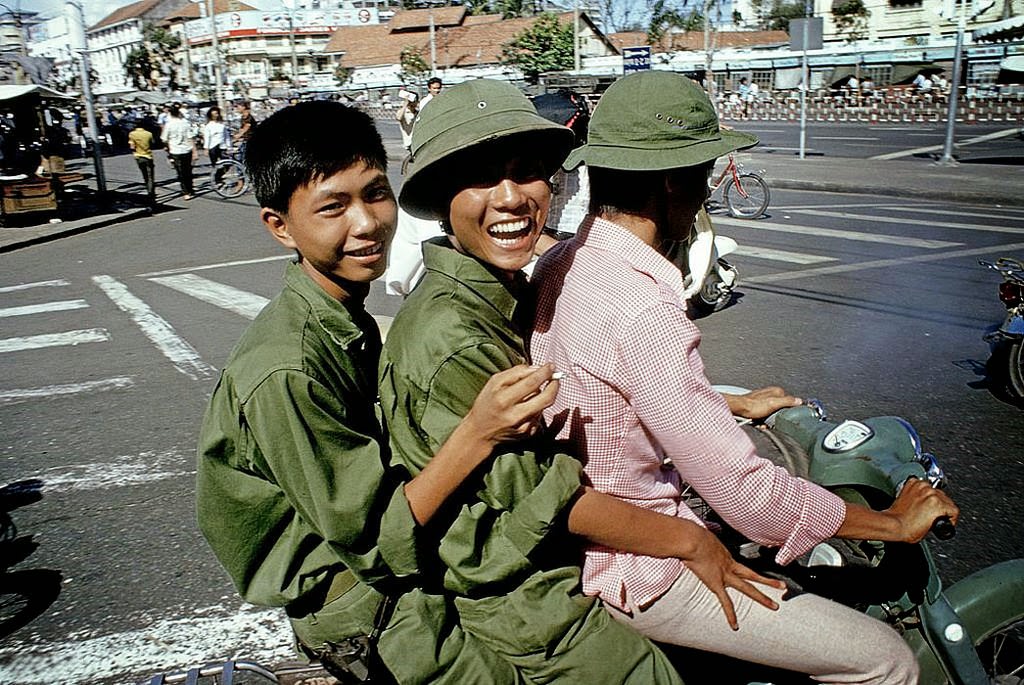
{"x": 626, "y": 158}
{"x": 427, "y": 190}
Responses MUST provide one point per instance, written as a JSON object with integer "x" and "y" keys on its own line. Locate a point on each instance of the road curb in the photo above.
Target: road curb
{"x": 66, "y": 231}
{"x": 966, "y": 196}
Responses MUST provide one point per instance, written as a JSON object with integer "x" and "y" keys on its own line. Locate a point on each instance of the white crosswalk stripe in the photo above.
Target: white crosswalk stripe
{"x": 224, "y": 296}
{"x": 35, "y": 342}
{"x": 28, "y": 286}
{"x": 917, "y": 222}
{"x": 838, "y": 234}
{"x": 781, "y": 255}
{"x": 59, "y": 306}
{"x": 23, "y": 394}
{"x": 184, "y": 357}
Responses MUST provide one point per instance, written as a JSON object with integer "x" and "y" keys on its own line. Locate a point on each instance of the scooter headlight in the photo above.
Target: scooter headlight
{"x": 915, "y": 439}
{"x": 933, "y": 472}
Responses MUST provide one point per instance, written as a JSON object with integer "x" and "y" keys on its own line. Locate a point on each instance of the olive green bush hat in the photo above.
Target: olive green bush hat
{"x": 653, "y": 121}
{"x": 465, "y": 116}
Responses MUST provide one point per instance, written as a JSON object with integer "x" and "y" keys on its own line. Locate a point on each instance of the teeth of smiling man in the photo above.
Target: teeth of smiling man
{"x": 511, "y": 227}
{"x": 367, "y": 251}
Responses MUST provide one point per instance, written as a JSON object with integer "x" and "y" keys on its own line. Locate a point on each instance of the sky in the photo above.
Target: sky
{"x": 94, "y": 9}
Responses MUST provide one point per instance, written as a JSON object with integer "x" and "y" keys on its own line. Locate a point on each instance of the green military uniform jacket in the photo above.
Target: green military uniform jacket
{"x": 505, "y": 551}
{"x": 296, "y": 500}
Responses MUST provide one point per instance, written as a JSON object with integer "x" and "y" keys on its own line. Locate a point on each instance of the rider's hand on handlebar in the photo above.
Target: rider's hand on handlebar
{"x": 509, "y": 405}
{"x": 760, "y": 403}
{"x": 716, "y": 568}
{"x": 917, "y": 507}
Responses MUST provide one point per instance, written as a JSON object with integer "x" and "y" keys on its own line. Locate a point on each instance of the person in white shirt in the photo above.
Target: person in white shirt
{"x": 181, "y": 148}
{"x": 214, "y": 133}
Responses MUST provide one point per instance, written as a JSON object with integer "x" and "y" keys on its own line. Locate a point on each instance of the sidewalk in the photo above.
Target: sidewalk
{"x": 911, "y": 178}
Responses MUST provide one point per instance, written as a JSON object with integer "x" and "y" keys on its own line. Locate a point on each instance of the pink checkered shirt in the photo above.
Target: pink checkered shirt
{"x": 635, "y": 403}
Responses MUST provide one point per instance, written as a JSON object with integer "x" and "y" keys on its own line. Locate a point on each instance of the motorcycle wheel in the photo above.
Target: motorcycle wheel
{"x": 1006, "y": 370}
{"x": 1015, "y": 369}
{"x": 713, "y": 295}
{"x": 1002, "y": 654}
{"x": 749, "y": 199}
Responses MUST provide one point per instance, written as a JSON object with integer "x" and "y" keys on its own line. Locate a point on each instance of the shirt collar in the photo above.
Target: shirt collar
{"x": 606, "y": 235}
{"x": 339, "y": 320}
{"x": 505, "y": 296}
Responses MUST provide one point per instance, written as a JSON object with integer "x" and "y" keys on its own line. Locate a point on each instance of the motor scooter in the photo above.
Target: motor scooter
{"x": 708, "y": 278}
{"x": 1007, "y": 341}
{"x": 967, "y": 634}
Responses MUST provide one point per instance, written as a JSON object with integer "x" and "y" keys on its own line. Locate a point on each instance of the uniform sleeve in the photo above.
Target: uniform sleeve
{"x": 664, "y": 375}
{"x": 522, "y": 495}
{"x": 333, "y": 475}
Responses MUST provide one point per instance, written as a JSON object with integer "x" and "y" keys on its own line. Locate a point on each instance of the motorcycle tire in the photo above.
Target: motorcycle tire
{"x": 1015, "y": 369}
{"x": 995, "y": 624}
{"x": 712, "y": 296}
{"x": 749, "y": 199}
{"x": 1006, "y": 370}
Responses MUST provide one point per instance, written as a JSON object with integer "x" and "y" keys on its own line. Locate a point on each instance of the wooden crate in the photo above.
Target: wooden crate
{"x": 28, "y": 196}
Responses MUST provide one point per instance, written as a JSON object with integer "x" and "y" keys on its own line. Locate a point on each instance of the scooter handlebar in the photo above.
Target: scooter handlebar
{"x": 943, "y": 528}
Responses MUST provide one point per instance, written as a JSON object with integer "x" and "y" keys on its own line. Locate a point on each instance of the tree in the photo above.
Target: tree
{"x": 775, "y": 14}
{"x": 155, "y": 57}
{"x": 851, "y": 18}
{"x": 413, "y": 66}
{"x": 138, "y": 67}
{"x": 343, "y": 75}
{"x": 545, "y": 46}
{"x": 665, "y": 18}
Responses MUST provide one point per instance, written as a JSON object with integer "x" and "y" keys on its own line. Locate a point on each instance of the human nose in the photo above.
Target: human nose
{"x": 508, "y": 194}
{"x": 364, "y": 219}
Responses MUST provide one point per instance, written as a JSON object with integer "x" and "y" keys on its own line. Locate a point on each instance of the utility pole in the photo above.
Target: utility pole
{"x": 576, "y": 60}
{"x": 805, "y": 80}
{"x": 76, "y": 21}
{"x": 217, "y": 76}
{"x": 709, "y": 76}
{"x": 947, "y": 158}
{"x": 433, "y": 46}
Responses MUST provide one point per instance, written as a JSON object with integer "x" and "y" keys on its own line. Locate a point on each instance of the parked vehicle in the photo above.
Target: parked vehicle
{"x": 709, "y": 278}
{"x": 745, "y": 193}
{"x": 1007, "y": 363}
{"x": 969, "y": 633}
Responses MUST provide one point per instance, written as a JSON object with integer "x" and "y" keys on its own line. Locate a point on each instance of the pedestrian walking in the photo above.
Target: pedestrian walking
{"x": 181, "y": 148}
{"x": 213, "y": 135}
{"x": 140, "y": 142}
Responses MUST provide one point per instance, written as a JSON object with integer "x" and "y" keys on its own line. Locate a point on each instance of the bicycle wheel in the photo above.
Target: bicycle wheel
{"x": 747, "y": 199}
{"x": 228, "y": 178}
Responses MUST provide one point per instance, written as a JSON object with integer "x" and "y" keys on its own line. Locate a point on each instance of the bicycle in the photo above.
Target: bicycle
{"x": 228, "y": 178}
{"x": 746, "y": 193}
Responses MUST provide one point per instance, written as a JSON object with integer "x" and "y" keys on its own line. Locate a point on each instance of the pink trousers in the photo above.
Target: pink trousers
{"x": 808, "y": 634}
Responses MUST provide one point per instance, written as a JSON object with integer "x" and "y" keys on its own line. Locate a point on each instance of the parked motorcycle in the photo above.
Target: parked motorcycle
{"x": 708, "y": 278}
{"x": 968, "y": 634}
{"x": 1007, "y": 361}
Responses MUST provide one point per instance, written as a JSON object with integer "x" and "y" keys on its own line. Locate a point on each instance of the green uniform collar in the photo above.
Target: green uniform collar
{"x": 344, "y": 329}
{"x": 507, "y": 297}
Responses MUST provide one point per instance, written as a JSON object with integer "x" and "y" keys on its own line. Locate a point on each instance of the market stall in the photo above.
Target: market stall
{"x": 31, "y": 178}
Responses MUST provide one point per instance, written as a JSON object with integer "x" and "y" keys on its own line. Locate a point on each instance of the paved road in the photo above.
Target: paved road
{"x": 111, "y": 341}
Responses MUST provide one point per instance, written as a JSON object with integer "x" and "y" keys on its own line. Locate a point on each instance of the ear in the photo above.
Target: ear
{"x": 277, "y": 224}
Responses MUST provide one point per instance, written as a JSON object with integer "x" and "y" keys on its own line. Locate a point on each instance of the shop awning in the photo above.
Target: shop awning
{"x": 11, "y": 92}
{"x": 1013, "y": 63}
{"x": 1001, "y": 30}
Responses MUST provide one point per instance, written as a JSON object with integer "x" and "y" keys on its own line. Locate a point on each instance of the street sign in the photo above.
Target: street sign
{"x": 636, "y": 59}
{"x": 796, "y": 33}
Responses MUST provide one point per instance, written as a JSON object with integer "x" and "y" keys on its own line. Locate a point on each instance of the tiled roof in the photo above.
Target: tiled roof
{"x": 415, "y": 20}
{"x": 191, "y": 10}
{"x": 694, "y": 40}
{"x": 143, "y": 9}
{"x": 478, "y": 40}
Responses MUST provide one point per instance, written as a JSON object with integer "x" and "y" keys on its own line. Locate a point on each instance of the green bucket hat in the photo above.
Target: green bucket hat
{"x": 653, "y": 121}
{"x": 459, "y": 119}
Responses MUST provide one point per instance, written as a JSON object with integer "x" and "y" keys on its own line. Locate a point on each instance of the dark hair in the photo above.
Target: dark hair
{"x": 175, "y": 111}
{"x": 435, "y": 80}
{"x": 209, "y": 113}
{"x": 613, "y": 191}
{"x": 307, "y": 141}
